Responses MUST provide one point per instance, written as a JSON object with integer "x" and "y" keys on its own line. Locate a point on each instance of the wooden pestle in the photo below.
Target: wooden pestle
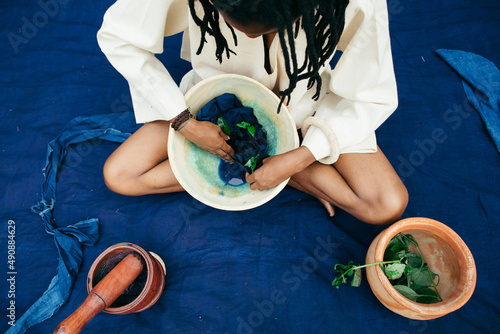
{"x": 103, "y": 294}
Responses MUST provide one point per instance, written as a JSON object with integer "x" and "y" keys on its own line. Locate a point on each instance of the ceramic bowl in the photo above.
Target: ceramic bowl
{"x": 446, "y": 254}
{"x": 149, "y": 288}
{"x": 198, "y": 171}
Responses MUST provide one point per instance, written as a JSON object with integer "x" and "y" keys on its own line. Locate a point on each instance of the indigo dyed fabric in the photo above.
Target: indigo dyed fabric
{"x": 481, "y": 80}
{"x": 265, "y": 270}
{"x": 69, "y": 240}
{"x": 247, "y": 137}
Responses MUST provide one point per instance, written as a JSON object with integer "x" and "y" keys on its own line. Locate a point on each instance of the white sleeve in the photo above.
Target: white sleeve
{"x": 132, "y": 32}
{"x": 362, "y": 91}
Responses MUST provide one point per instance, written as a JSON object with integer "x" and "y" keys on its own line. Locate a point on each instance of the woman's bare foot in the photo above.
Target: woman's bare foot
{"x": 328, "y": 206}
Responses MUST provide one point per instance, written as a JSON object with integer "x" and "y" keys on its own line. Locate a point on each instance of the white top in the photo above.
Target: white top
{"x": 357, "y": 96}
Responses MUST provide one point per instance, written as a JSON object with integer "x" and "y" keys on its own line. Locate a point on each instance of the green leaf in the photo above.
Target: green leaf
{"x": 415, "y": 287}
{"x": 427, "y": 295}
{"x": 389, "y": 255}
{"x": 397, "y": 247}
{"x": 249, "y": 127}
{"x": 408, "y": 270}
{"x": 408, "y": 239}
{"x": 414, "y": 260}
{"x": 424, "y": 291}
{"x": 402, "y": 254}
{"x": 342, "y": 272}
{"x": 397, "y": 251}
{"x": 397, "y": 239}
{"x": 421, "y": 277}
{"x": 221, "y": 122}
{"x": 243, "y": 125}
{"x": 251, "y": 130}
{"x": 339, "y": 279}
{"x": 356, "y": 280}
{"x": 339, "y": 266}
{"x": 402, "y": 281}
{"x": 252, "y": 162}
{"x": 407, "y": 292}
{"x": 394, "y": 270}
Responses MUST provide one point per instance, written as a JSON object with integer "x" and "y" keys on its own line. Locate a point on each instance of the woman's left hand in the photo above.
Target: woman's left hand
{"x": 278, "y": 168}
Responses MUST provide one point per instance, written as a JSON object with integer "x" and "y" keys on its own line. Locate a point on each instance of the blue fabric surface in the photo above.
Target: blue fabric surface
{"x": 482, "y": 86}
{"x": 265, "y": 270}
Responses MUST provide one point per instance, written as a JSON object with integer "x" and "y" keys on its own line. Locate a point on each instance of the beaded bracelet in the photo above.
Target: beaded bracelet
{"x": 330, "y": 135}
{"x": 184, "y": 116}
{"x": 179, "y": 129}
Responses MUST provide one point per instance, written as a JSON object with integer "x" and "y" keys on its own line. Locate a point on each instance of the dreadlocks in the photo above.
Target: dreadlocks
{"x": 322, "y": 21}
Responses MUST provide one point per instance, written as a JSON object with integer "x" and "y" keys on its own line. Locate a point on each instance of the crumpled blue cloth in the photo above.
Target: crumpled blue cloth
{"x": 69, "y": 239}
{"x": 247, "y": 137}
{"x": 481, "y": 81}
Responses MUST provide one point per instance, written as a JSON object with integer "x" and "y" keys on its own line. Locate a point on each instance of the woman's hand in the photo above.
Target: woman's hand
{"x": 278, "y": 168}
{"x": 209, "y": 137}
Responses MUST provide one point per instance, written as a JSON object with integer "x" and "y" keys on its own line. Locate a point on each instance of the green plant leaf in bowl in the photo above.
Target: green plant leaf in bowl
{"x": 394, "y": 270}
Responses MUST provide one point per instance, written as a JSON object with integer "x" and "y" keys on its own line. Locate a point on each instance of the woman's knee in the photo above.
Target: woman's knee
{"x": 141, "y": 152}
{"x": 387, "y": 208}
{"x": 115, "y": 177}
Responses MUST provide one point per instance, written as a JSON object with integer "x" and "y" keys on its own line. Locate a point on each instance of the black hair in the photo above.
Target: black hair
{"x": 322, "y": 21}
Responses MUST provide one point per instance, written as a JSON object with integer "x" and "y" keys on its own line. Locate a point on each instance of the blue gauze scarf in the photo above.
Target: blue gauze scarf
{"x": 481, "y": 81}
{"x": 69, "y": 239}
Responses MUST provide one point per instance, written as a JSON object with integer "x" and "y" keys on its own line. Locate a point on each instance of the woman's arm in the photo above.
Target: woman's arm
{"x": 362, "y": 90}
{"x": 278, "y": 168}
{"x": 361, "y": 95}
{"x": 131, "y": 34}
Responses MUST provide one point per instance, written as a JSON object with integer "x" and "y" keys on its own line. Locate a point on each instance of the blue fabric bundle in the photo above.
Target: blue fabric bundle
{"x": 481, "y": 81}
{"x": 247, "y": 137}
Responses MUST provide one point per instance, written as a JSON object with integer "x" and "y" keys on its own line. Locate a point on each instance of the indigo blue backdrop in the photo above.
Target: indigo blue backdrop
{"x": 240, "y": 272}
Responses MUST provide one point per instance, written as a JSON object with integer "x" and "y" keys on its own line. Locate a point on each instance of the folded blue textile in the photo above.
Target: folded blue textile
{"x": 481, "y": 81}
{"x": 247, "y": 137}
{"x": 69, "y": 239}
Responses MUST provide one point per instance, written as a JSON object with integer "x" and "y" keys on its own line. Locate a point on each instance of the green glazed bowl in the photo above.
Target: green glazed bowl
{"x": 198, "y": 171}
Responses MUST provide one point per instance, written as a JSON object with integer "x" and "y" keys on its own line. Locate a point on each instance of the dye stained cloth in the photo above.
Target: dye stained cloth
{"x": 481, "y": 81}
{"x": 247, "y": 137}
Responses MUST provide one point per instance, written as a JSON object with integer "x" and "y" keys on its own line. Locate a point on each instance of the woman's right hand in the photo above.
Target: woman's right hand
{"x": 209, "y": 137}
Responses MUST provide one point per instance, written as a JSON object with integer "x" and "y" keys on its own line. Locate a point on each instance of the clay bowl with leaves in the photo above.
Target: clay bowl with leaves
{"x": 432, "y": 271}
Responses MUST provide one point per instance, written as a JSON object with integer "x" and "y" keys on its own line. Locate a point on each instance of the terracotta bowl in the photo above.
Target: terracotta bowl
{"x": 445, "y": 253}
{"x": 144, "y": 292}
{"x": 198, "y": 171}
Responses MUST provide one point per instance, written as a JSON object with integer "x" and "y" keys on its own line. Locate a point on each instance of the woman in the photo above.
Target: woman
{"x": 287, "y": 46}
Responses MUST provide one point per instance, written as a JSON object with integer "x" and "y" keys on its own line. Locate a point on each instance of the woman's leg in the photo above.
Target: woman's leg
{"x": 139, "y": 166}
{"x": 328, "y": 206}
{"x": 363, "y": 184}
